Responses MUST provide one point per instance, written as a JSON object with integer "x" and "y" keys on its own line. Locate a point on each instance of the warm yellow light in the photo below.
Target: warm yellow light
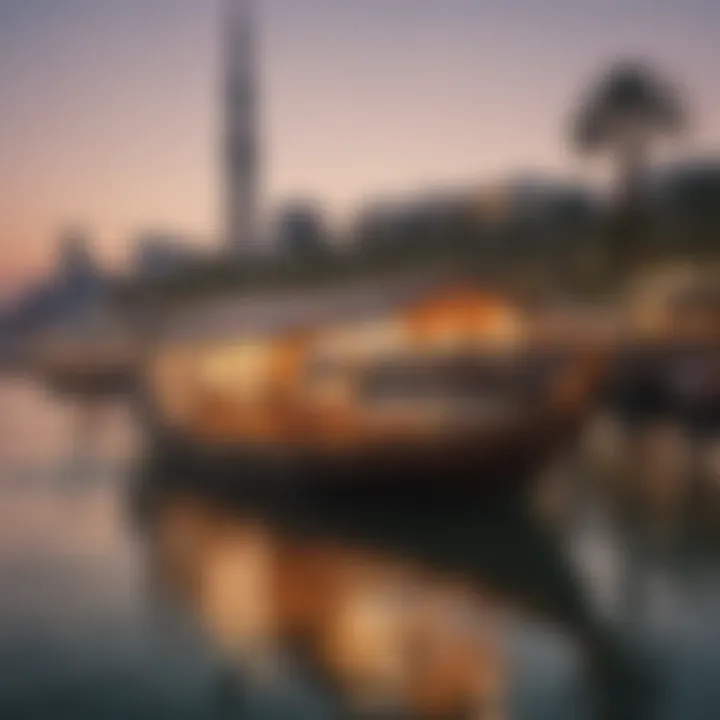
{"x": 503, "y": 328}
{"x": 240, "y": 370}
{"x": 362, "y": 341}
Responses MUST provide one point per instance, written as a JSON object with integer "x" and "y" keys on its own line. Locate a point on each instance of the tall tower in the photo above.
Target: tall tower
{"x": 240, "y": 151}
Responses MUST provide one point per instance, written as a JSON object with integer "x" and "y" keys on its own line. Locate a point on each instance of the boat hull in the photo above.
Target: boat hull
{"x": 480, "y": 463}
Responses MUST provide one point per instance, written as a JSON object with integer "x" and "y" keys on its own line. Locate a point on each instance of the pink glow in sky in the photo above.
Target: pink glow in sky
{"x": 109, "y": 109}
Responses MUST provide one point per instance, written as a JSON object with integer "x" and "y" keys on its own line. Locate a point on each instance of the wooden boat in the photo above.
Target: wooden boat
{"x": 414, "y": 383}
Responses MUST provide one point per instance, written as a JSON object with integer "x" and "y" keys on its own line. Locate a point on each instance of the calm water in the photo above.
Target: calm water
{"x": 84, "y": 635}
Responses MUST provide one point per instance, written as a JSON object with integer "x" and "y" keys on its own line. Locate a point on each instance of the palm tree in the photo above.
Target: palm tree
{"x": 625, "y": 114}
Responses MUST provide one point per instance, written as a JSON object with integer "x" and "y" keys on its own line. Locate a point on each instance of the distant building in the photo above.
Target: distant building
{"x": 76, "y": 265}
{"x": 528, "y": 198}
{"x": 379, "y": 226}
{"x": 302, "y": 229}
{"x": 77, "y": 287}
{"x": 509, "y": 219}
{"x": 428, "y": 218}
{"x": 240, "y": 149}
{"x": 162, "y": 255}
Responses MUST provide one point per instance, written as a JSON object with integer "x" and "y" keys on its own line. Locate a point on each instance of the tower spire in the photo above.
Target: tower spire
{"x": 241, "y": 134}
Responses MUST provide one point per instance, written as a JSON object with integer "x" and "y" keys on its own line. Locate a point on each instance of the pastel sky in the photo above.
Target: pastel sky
{"x": 110, "y": 109}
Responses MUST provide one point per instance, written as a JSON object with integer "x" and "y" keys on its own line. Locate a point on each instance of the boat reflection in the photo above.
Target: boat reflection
{"x": 392, "y": 609}
{"x": 385, "y": 631}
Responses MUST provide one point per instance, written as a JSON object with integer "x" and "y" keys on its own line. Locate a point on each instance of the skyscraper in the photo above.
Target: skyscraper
{"x": 241, "y": 133}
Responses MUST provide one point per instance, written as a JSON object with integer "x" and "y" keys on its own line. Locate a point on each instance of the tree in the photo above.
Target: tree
{"x": 625, "y": 114}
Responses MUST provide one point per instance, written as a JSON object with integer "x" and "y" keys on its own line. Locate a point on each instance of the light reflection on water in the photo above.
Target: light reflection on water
{"x": 41, "y": 434}
{"x": 77, "y": 636}
{"x": 83, "y": 636}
